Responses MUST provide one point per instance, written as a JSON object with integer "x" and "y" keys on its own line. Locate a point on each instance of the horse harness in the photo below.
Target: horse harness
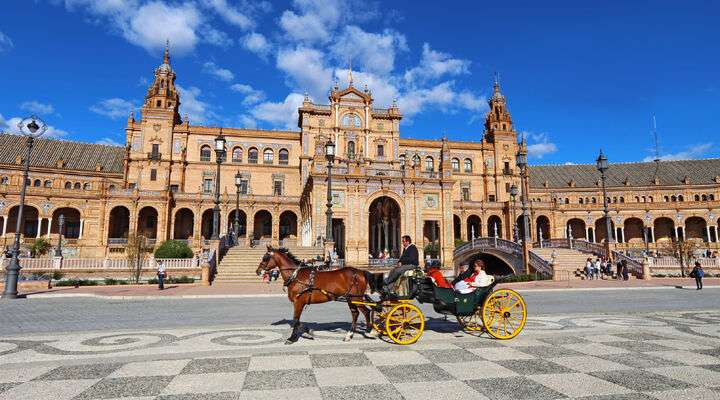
{"x": 310, "y": 284}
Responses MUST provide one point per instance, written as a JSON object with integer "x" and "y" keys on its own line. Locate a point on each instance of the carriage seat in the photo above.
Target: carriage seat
{"x": 401, "y": 287}
{"x": 461, "y": 304}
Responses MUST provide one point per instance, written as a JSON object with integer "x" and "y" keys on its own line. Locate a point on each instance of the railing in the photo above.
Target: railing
{"x": 117, "y": 241}
{"x": 101, "y": 264}
{"x": 515, "y": 249}
{"x": 580, "y": 245}
{"x": 385, "y": 262}
{"x": 634, "y": 266}
{"x": 672, "y": 262}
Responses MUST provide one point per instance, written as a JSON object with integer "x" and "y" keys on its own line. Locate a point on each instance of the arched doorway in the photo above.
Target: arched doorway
{"x": 119, "y": 223}
{"x": 29, "y": 225}
{"x": 242, "y": 222}
{"x": 288, "y": 225}
{"x": 457, "y": 228}
{"x": 521, "y": 228}
{"x": 696, "y": 228}
{"x": 664, "y": 229}
{"x": 543, "y": 226}
{"x": 494, "y": 226}
{"x": 206, "y": 224}
{"x": 384, "y": 226}
{"x": 493, "y": 265}
{"x": 633, "y": 230}
{"x": 601, "y": 230}
{"x": 263, "y": 225}
{"x": 575, "y": 228}
{"x": 184, "y": 224}
{"x": 473, "y": 227}
{"x": 71, "y": 230}
{"x": 147, "y": 222}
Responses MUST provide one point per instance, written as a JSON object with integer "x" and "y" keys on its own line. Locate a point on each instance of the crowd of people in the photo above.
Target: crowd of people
{"x": 602, "y": 268}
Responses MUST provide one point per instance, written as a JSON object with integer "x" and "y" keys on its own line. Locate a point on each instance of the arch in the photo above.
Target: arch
{"x": 601, "y": 230}
{"x": 76, "y": 186}
{"x": 576, "y": 227}
{"x": 429, "y": 164}
{"x": 351, "y": 150}
{"x": 119, "y": 223}
{"x": 384, "y": 225}
{"x": 401, "y": 158}
{"x": 253, "y": 155}
{"x": 4, "y": 180}
{"x": 147, "y": 222}
{"x": 29, "y": 225}
{"x": 455, "y": 163}
{"x": 493, "y": 222}
{"x": 68, "y": 185}
{"x": 468, "y": 165}
{"x": 457, "y": 227}
{"x": 351, "y": 120}
{"x": 288, "y": 224}
{"x": 696, "y": 228}
{"x": 494, "y": 265}
{"x": 543, "y": 225}
{"x": 474, "y": 225}
{"x": 37, "y": 183}
{"x": 681, "y": 198}
{"x": 184, "y": 225}
{"x": 242, "y": 222}
{"x": 87, "y": 186}
{"x": 268, "y": 156}
{"x": 633, "y": 230}
{"x": 71, "y": 230}
{"x": 262, "y": 228}
{"x": 48, "y": 183}
{"x": 205, "y": 153}
{"x": 206, "y": 224}
{"x": 663, "y": 229}
{"x": 237, "y": 154}
{"x": 284, "y": 157}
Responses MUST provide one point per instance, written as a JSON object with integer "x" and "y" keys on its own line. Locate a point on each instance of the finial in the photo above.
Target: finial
{"x": 307, "y": 97}
{"x": 496, "y": 83}
{"x": 350, "y": 78}
{"x": 166, "y": 58}
{"x": 394, "y": 102}
{"x": 366, "y": 89}
{"x": 336, "y": 83}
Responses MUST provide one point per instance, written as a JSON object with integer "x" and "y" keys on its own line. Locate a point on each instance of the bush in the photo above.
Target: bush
{"x": 57, "y": 275}
{"x": 113, "y": 282}
{"x": 459, "y": 242}
{"x": 40, "y": 247}
{"x": 525, "y": 278}
{"x": 182, "y": 279}
{"x": 432, "y": 250}
{"x": 173, "y": 249}
{"x": 76, "y": 282}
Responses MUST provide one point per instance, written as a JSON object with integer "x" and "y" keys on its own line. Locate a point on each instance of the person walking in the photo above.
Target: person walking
{"x": 619, "y": 267}
{"x": 625, "y": 272}
{"x": 596, "y": 269}
{"x": 698, "y": 273}
{"x": 588, "y": 268}
{"x": 161, "y": 274}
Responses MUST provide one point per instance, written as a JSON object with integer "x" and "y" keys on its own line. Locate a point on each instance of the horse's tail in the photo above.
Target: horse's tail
{"x": 371, "y": 280}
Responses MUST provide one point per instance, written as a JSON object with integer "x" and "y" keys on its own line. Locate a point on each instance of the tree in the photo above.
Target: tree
{"x": 136, "y": 253}
{"x": 39, "y": 247}
{"x": 174, "y": 249}
{"x": 683, "y": 250}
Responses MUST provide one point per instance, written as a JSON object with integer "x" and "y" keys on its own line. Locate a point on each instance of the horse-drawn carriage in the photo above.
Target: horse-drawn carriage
{"x": 501, "y": 313}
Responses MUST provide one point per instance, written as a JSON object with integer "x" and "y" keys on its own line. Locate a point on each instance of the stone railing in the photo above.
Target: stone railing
{"x": 576, "y": 244}
{"x": 635, "y": 267}
{"x": 99, "y": 264}
{"x": 506, "y": 246}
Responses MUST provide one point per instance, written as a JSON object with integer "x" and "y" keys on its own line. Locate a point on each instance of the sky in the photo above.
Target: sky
{"x": 576, "y": 78}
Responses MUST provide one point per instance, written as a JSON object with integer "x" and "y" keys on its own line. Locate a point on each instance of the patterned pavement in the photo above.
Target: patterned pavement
{"x": 647, "y": 356}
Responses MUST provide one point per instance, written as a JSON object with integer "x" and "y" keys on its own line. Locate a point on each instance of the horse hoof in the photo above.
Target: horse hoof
{"x": 371, "y": 335}
{"x": 310, "y": 332}
{"x": 348, "y": 337}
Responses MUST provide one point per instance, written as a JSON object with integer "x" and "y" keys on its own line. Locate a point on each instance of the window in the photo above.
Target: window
{"x": 402, "y": 160}
{"x": 455, "y": 165}
{"x": 174, "y": 188}
{"x": 581, "y": 200}
{"x": 468, "y": 165}
{"x": 351, "y": 120}
{"x": 277, "y": 188}
{"x": 37, "y": 183}
{"x": 253, "y": 155}
{"x": 465, "y": 193}
{"x": 681, "y": 198}
{"x": 153, "y": 174}
{"x": 155, "y": 151}
{"x": 507, "y": 187}
{"x": 48, "y": 184}
{"x": 207, "y": 185}
{"x": 380, "y": 150}
{"x": 416, "y": 160}
{"x": 351, "y": 149}
{"x": 111, "y": 187}
{"x": 132, "y": 186}
{"x": 87, "y": 186}
{"x": 68, "y": 185}
{"x": 506, "y": 168}
{"x": 4, "y": 180}
{"x": 429, "y": 164}
{"x": 284, "y": 157}
{"x": 243, "y": 187}
{"x": 77, "y": 186}
{"x": 158, "y": 103}
{"x": 237, "y": 155}
{"x": 205, "y": 153}
{"x": 268, "y": 156}
{"x": 491, "y": 197}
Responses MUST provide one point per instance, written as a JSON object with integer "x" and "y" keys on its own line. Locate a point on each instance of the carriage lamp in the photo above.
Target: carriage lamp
{"x": 513, "y": 191}
{"x": 330, "y": 150}
{"x": 219, "y": 156}
{"x": 236, "y": 221}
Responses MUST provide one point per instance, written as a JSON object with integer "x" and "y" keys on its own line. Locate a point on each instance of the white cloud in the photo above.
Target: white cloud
{"x": 382, "y": 87}
{"x": 11, "y": 126}
{"x": 231, "y": 14}
{"x": 113, "y": 108}
{"x": 252, "y": 96}
{"x": 108, "y": 142}
{"x": 692, "y": 152}
{"x": 442, "y": 96}
{"x": 257, "y": 43}
{"x": 216, "y": 37}
{"x": 197, "y": 110}
{"x": 283, "y": 114}
{"x": 373, "y": 52}
{"x": 247, "y": 122}
{"x": 542, "y": 147}
{"x": 36, "y": 107}
{"x": 217, "y": 71}
{"x": 5, "y": 42}
{"x": 435, "y": 64}
{"x": 306, "y": 69}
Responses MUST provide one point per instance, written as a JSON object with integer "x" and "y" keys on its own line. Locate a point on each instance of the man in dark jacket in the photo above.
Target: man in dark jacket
{"x": 408, "y": 261}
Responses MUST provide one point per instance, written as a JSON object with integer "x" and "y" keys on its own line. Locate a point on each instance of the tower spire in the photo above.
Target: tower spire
{"x": 350, "y": 78}
{"x": 166, "y": 57}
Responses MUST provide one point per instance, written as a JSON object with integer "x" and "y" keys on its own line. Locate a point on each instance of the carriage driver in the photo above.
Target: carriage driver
{"x": 407, "y": 262}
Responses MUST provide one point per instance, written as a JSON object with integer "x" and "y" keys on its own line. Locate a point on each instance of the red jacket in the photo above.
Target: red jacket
{"x": 439, "y": 279}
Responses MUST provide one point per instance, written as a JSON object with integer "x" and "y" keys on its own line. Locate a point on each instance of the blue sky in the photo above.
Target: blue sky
{"x": 576, "y": 78}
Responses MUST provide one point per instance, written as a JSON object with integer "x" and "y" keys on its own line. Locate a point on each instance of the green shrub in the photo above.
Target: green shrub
{"x": 432, "y": 250}
{"x": 77, "y": 282}
{"x": 182, "y": 279}
{"x": 173, "y": 249}
{"x": 526, "y": 278}
{"x": 459, "y": 242}
{"x": 40, "y": 247}
{"x": 57, "y": 275}
{"x": 152, "y": 281}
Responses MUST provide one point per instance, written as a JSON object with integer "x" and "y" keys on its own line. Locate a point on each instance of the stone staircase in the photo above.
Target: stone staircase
{"x": 240, "y": 263}
{"x": 569, "y": 263}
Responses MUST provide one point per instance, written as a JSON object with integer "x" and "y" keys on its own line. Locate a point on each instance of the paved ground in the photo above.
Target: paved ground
{"x": 575, "y": 345}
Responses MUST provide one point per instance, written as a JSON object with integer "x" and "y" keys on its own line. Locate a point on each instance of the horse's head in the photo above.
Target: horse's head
{"x": 268, "y": 262}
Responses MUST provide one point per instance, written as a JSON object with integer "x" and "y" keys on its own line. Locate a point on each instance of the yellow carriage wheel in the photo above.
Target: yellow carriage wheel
{"x": 504, "y": 314}
{"x": 377, "y": 319}
{"x": 404, "y": 323}
{"x": 472, "y": 322}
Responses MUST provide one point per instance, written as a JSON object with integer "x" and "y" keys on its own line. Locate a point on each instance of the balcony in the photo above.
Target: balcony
{"x": 154, "y": 156}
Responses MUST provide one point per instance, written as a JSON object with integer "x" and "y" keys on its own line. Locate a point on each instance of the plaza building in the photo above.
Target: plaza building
{"x": 161, "y": 185}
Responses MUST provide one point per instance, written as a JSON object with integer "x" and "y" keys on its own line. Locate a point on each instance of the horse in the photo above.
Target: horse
{"x": 306, "y": 286}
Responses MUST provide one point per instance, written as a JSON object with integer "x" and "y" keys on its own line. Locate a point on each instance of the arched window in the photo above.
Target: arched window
{"x": 48, "y": 184}
{"x": 76, "y": 186}
{"x": 697, "y": 197}
{"x": 37, "y": 183}
{"x": 650, "y": 199}
{"x": 68, "y": 185}
{"x": 711, "y": 197}
{"x": 4, "y": 180}
{"x": 111, "y": 187}
{"x": 351, "y": 149}
{"x": 268, "y": 156}
{"x": 673, "y": 199}
{"x": 704, "y": 197}
{"x": 468, "y": 165}
{"x": 681, "y": 198}
{"x": 667, "y": 199}
{"x": 567, "y": 201}
{"x": 594, "y": 200}
{"x": 205, "y": 153}
{"x": 429, "y": 164}
{"x": 284, "y": 157}
{"x": 622, "y": 199}
{"x": 237, "y": 155}
{"x": 416, "y": 160}
{"x": 401, "y": 158}
{"x": 581, "y": 200}
{"x": 351, "y": 120}
{"x": 87, "y": 186}
{"x": 455, "y": 165}
{"x": 253, "y": 155}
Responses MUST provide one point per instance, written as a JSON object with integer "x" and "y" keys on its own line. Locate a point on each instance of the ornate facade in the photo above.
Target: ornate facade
{"x": 162, "y": 183}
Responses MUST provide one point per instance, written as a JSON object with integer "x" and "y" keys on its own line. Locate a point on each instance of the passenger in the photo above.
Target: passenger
{"x": 477, "y": 279}
{"x": 433, "y": 271}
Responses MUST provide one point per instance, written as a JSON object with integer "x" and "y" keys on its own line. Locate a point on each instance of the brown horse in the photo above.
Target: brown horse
{"x": 306, "y": 286}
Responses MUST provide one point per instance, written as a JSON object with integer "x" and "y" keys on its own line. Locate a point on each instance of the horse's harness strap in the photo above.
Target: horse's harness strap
{"x": 310, "y": 286}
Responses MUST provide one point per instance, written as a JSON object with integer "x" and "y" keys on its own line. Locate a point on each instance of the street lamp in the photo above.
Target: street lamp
{"x": 236, "y": 222}
{"x": 521, "y": 160}
{"x": 646, "y": 230}
{"x": 32, "y": 128}
{"x": 513, "y": 195}
{"x": 219, "y": 156}
{"x": 61, "y": 226}
{"x": 602, "y": 166}
{"x": 330, "y": 155}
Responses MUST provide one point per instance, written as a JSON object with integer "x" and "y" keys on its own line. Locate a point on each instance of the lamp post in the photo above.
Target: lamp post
{"x": 32, "y": 127}
{"x": 521, "y": 159}
{"x": 602, "y": 166}
{"x": 236, "y": 222}
{"x": 61, "y": 226}
{"x": 646, "y": 230}
{"x": 513, "y": 195}
{"x": 219, "y": 156}
{"x": 330, "y": 155}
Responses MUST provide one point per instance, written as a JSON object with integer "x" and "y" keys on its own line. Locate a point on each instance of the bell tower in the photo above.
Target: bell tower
{"x": 498, "y": 124}
{"x": 162, "y": 96}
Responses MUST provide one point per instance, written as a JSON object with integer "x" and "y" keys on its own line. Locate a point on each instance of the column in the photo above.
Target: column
{"x": 651, "y": 234}
{"x": 82, "y": 227}
{"x": 621, "y": 239}
{"x": 250, "y": 231}
{"x": 587, "y": 233}
{"x": 707, "y": 228}
{"x": 275, "y": 230}
{"x": 4, "y": 228}
{"x": 38, "y": 227}
{"x": 717, "y": 239}
{"x": 49, "y": 226}
{"x": 463, "y": 230}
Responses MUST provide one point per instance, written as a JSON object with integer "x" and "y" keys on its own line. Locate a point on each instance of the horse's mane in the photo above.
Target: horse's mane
{"x": 288, "y": 254}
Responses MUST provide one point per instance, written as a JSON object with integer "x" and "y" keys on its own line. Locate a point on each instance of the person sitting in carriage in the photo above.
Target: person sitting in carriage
{"x": 407, "y": 262}
{"x": 473, "y": 278}
{"x": 432, "y": 270}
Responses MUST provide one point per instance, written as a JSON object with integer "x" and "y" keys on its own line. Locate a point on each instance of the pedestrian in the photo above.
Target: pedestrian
{"x": 625, "y": 274}
{"x": 608, "y": 269}
{"x": 161, "y": 274}
{"x": 596, "y": 269}
{"x": 698, "y": 273}
{"x": 619, "y": 269}
{"x": 588, "y": 268}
